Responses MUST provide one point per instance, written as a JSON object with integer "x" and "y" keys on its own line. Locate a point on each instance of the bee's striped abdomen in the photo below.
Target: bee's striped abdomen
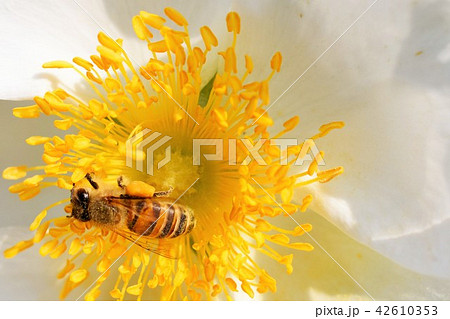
{"x": 160, "y": 219}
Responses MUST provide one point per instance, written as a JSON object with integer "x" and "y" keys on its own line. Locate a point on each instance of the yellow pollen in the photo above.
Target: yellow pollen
{"x": 140, "y": 189}
{"x": 109, "y": 54}
{"x": 26, "y": 112}
{"x": 78, "y": 275}
{"x": 208, "y": 37}
{"x": 63, "y": 124}
{"x": 14, "y": 173}
{"x": 305, "y": 202}
{"x": 291, "y": 123}
{"x": 109, "y": 43}
{"x": 298, "y": 231}
{"x": 275, "y": 63}
{"x": 48, "y": 247}
{"x": 326, "y": 128}
{"x": 315, "y": 163}
{"x": 41, "y": 232}
{"x": 37, "y": 140}
{"x": 83, "y": 63}
{"x": 29, "y": 193}
{"x": 248, "y": 63}
{"x": 57, "y": 65}
{"x": 20, "y": 246}
{"x": 233, "y": 22}
{"x": 175, "y": 16}
{"x": 326, "y": 176}
{"x": 43, "y": 105}
{"x": 139, "y": 28}
{"x": 153, "y": 20}
{"x": 37, "y": 221}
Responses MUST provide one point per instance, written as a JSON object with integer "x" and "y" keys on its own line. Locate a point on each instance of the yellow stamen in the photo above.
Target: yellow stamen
{"x": 63, "y": 124}
{"x": 305, "y": 203}
{"x": 139, "y": 28}
{"x": 175, "y": 16}
{"x": 208, "y": 37}
{"x": 37, "y": 221}
{"x": 326, "y": 128}
{"x": 275, "y": 63}
{"x": 57, "y": 64}
{"x": 37, "y": 140}
{"x": 291, "y": 123}
{"x": 109, "y": 43}
{"x": 233, "y": 22}
{"x": 20, "y": 246}
{"x": 26, "y": 112}
{"x": 15, "y": 172}
{"x": 248, "y": 63}
{"x": 78, "y": 275}
{"x": 83, "y": 63}
{"x": 153, "y": 20}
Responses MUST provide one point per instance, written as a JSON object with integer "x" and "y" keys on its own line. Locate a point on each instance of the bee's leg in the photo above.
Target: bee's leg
{"x": 120, "y": 182}
{"x": 90, "y": 180}
{"x": 126, "y": 196}
{"x": 163, "y": 193}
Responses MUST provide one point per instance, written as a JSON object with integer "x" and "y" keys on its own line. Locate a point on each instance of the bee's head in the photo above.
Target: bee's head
{"x": 80, "y": 203}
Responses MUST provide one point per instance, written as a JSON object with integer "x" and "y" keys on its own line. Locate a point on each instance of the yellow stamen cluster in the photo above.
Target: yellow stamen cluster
{"x": 232, "y": 201}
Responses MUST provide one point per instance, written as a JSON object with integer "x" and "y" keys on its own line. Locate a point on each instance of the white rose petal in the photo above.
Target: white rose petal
{"x": 35, "y": 32}
{"x": 388, "y": 78}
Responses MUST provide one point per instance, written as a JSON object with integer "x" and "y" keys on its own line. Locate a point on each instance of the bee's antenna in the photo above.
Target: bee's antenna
{"x": 89, "y": 178}
{"x": 120, "y": 182}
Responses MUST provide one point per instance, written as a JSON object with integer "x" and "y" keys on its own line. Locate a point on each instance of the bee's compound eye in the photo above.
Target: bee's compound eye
{"x": 83, "y": 197}
{"x": 82, "y": 194}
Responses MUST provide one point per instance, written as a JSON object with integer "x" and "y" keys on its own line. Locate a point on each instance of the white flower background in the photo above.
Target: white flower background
{"x": 386, "y": 220}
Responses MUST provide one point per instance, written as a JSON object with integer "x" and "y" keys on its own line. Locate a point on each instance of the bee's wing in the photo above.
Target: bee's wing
{"x": 165, "y": 247}
{"x": 168, "y": 248}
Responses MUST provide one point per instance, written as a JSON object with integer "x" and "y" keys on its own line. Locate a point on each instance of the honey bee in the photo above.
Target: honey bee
{"x": 134, "y": 212}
